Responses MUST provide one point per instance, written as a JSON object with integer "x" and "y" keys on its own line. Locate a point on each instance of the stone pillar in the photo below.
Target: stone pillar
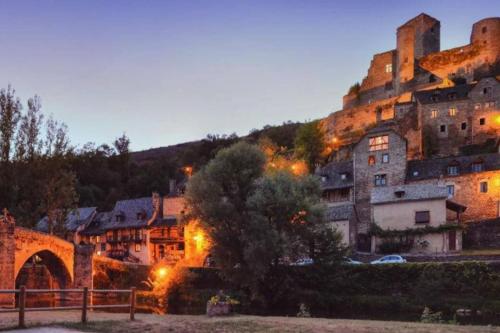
{"x": 83, "y": 268}
{"x": 7, "y": 257}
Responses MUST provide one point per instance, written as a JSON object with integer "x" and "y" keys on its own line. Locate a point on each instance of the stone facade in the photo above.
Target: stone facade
{"x": 376, "y": 165}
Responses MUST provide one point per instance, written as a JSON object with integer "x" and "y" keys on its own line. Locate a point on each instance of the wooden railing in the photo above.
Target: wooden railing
{"x": 84, "y": 307}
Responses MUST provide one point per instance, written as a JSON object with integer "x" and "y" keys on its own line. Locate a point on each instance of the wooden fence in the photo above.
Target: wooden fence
{"x": 85, "y": 306}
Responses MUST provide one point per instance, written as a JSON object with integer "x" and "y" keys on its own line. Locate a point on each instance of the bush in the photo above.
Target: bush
{"x": 386, "y": 292}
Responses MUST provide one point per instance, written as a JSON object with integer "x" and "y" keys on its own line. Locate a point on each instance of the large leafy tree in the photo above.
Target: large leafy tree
{"x": 310, "y": 143}
{"x": 259, "y": 221}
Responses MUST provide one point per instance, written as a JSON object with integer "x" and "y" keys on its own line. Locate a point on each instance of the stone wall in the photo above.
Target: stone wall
{"x": 7, "y": 257}
{"x": 364, "y": 179}
{"x": 480, "y": 206}
{"x": 482, "y": 234}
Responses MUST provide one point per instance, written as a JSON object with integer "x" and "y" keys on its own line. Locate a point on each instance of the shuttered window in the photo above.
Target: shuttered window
{"x": 422, "y": 216}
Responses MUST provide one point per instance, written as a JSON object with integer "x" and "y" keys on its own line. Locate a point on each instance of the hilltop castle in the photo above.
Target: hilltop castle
{"x": 419, "y": 137}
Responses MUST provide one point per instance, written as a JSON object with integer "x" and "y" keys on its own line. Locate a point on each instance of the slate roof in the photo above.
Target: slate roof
{"x": 168, "y": 221}
{"x": 413, "y": 192}
{"x": 440, "y": 95}
{"x": 331, "y": 175}
{"x": 129, "y": 210}
{"x": 437, "y": 167}
{"x": 98, "y": 224}
{"x": 339, "y": 213}
{"x": 75, "y": 218}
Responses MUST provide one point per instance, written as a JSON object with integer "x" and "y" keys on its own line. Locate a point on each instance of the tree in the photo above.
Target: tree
{"x": 310, "y": 143}
{"x": 257, "y": 221}
{"x": 28, "y": 142}
{"x": 122, "y": 145}
{"x": 217, "y": 195}
{"x": 10, "y": 109}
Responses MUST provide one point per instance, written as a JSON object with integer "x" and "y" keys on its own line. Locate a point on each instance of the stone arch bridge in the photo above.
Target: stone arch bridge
{"x": 70, "y": 265}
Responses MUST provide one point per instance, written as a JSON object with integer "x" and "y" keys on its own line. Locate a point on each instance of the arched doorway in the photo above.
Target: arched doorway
{"x": 44, "y": 270}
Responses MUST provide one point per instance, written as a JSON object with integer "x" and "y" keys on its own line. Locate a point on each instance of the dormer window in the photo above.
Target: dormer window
{"x": 452, "y": 170}
{"x": 415, "y": 173}
{"x": 435, "y": 98}
{"x": 477, "y": 166}
{"x": 452, "y": 96}
{"x": 141, "y": 216}
{"x": 399, "y": 193}
{"x": 120, "y": 218}
{"x": 343, "y": 176}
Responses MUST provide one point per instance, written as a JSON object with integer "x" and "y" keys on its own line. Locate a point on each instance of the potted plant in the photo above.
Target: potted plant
{"x": 221, "y": 305}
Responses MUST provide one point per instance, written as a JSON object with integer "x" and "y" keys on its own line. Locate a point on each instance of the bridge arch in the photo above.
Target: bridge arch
{"x": 57, "y": 253}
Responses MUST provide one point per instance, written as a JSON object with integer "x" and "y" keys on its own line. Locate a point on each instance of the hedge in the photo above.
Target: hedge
{"x": 389, "y": 292}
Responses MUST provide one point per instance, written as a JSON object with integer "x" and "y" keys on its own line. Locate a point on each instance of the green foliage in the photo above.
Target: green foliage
{"x": 258, "y": 221}
{"x": 376, "y": 230}
{"x": 364, "y": 291}
{"x": 310, "y": 143}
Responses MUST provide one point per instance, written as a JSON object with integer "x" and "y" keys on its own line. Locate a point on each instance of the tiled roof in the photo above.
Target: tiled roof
{"x": 75, "y": 218}
{"x": 414, "y": 192}
{"x": 331, "y": 175}
{"x": 437, "y": 167}
{"x": 339, "y": 213}
{"x": 129, "y": 209}
{"x": 440, "y": 95}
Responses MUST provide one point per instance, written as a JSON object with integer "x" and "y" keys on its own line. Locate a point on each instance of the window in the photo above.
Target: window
{"x": 486, "y": 90}
{"x": 343, "y": 176}
{"x": 452, "y": 96}
{"x": 484, "y": 29}
{"x": 388, "y": 68}
{"x": 435, "y": 98}
{"x": 415, "y": 173}
{"x": 477, "y": 106}
{"x": 380, "y": 180}
{"x": 488, "y": 105}
{"x": 452, "y": 111}
{"x": 477, "y": 166}
{"x": 98, "y": 239}
{"x": 103, "y": 247}
{"x": 464, "y": 126}
{"x": 371, "y": 160}
{"x": 385, "y": 158}
{"x": 379, "y": 142}
{"x": 482, "y": 121}
{"x": 451, "y": 190}
{"x": 137, "y": 247}
{"x": 422, "y": 216}
{"x": 324, "y": 178}
{"x": 434, "y": 113}
{"x": 442, "y": 128}
{"x": 161, "y": 251}
{"x": 483, "y": 187}
{"x": 453, "y": 170}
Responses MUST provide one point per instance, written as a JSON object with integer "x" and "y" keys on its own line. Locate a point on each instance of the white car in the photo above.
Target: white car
{"x": 392, "y": 259}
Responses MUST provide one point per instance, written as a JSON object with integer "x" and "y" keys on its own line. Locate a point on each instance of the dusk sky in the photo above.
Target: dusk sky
{"x": 166, "y": 72}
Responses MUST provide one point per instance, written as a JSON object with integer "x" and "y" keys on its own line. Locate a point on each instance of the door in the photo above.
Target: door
{"x": 452, "y": 238}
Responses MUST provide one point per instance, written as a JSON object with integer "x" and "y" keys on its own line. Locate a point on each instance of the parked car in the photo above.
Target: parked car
{"x": 392, "y": 259}
{"x": 303, "y": 262}
{"x": 350, "y": 261}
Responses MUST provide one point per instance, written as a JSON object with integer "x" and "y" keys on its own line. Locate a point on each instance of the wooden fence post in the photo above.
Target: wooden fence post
{"x": 132, "y": 303}
{"x": 22, "y": 306}
{"x": 84, "y": 304}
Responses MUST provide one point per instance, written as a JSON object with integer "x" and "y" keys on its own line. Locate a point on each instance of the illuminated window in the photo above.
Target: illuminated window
{"x": 385, "y": 158}
{"x": 371, "y": 160}
{"x": 137, "y": 247}
{"x": 434, "y": 113}
{"x": 452, "y": 112}
{"x": 379, "y": 143}
{"x": 388, "y": 68}
{"x": 98, "y": 239}
{"x": 380, "y": 180}
{"x": 483, "y": 187}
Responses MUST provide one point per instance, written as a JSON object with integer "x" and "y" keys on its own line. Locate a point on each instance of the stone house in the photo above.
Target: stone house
{"x": 416, "y": 206}
{"x": 75, "y": 221}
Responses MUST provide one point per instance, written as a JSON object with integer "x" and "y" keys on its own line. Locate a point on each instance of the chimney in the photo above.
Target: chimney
{"x": 171, "y": 186}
